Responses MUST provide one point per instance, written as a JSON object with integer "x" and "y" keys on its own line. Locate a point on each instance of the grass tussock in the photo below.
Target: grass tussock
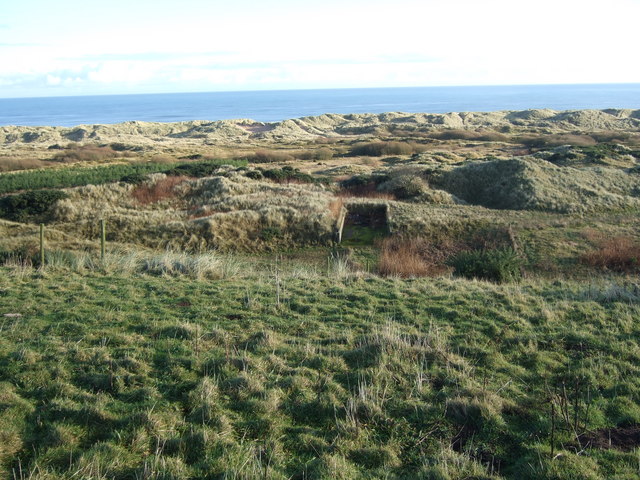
{"x": 406, "y": 257}
{"x": 617, "y": 254}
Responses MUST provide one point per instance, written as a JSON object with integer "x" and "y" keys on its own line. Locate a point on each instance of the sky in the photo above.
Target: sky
{"x": 71, "y": 47}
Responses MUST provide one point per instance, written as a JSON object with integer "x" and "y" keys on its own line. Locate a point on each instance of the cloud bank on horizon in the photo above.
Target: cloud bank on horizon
{"x": 80, "y": 48}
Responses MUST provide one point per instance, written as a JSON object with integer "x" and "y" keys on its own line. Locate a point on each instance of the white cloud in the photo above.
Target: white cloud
{"x": 53, "y": 80}
{"x": 197, "y": 44}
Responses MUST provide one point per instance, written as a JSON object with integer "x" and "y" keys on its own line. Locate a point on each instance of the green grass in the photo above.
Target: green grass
{"x": 292, "y": 374}
{"x": 96, "y": 175}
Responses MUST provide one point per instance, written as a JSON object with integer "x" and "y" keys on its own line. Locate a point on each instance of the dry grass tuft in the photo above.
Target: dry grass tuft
{"x": 10, "y": 164}
{"x": 409, "y": 257}
{"x": 147, "y": 193}
{"x": 367, "y": 190}
{"x": 619, "y": 254}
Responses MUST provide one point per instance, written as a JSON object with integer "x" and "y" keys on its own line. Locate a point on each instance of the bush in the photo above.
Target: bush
{"x": 319, "y": 154}
{"x": 546, "y": 141}
{"x": 268, "y": 156}
{"x": 365, "y": 186}
{"x": 21, "y": 207}
{"x": 377, "y": 149}
{"x": 404, "y": 186}
{"x": 73, "y": 176}
{"x": 86, "y": 153}
{"x": 499, "y": 265}
{"x": 287, "y": 174}
{"x": 456, "y": 134}
{"x": 196, "y": 170}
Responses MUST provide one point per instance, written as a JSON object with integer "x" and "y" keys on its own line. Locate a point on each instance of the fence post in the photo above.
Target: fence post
{"x": 102, "y": 238}
{"x": 42, "y": 245}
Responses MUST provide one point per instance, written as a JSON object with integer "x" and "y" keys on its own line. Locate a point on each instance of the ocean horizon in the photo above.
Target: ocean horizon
{"x": 278, "y": 105}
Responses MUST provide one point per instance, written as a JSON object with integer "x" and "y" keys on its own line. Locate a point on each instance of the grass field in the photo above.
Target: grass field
{"x": 296, "y": 371}
{"x": 479, "y": 320}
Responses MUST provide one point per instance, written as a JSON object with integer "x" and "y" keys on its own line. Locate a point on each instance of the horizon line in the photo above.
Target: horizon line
{"x": 316, "y": 89}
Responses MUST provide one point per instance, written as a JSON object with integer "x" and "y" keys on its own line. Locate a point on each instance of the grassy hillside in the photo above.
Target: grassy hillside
{"x": 387, "y": 296}
{"x": 294, "y": 371}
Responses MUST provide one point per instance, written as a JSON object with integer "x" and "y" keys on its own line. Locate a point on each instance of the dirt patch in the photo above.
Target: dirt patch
{"x": 621, "y": 438}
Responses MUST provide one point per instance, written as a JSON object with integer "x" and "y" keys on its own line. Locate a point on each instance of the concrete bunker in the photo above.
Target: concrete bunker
{"x": 361, "y": 223}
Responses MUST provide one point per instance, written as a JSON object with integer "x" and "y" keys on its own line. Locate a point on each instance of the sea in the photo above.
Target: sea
{"x": 277, "y": 105}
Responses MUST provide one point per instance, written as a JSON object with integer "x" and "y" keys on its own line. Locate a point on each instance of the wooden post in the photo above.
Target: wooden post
{"x": 42, "y": 245}
{"x": 102, "y": 238}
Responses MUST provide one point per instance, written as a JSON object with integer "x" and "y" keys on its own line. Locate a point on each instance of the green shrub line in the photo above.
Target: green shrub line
{"x": 496, "y": 265}
{"x": 80, "y": 176}
{"x": 24, "y": 205}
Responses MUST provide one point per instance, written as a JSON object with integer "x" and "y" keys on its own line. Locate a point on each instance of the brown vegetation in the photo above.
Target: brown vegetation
{"x": 555, "y": 140}
{"x": 10, "y": 164}
{"x": 86, "y": 153}
{"x": 146, "y": 193}
{"x": 619, "y": 254}
{"x": 409, "y": 257}
{"x": 458, "y": 134}
{"x": 323, "y": 153}
{"x": 377, "y": 149}
{"x": 270, "y": 156}
{"x": 366, "y": 190}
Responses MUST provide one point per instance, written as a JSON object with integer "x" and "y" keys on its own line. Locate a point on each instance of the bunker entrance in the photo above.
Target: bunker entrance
{"x": 363, "y": 224}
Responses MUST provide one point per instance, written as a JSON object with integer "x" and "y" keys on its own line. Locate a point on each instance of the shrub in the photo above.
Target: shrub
{"x": 498, "y": 265}
{"x": 86, "y": 153}
{"x": 319, "y": 154}
{"x": 377, "y": 149}
{"x": 269, "y": 156}
{"x": 287, "y": 174}
{"x": 619, "y": 254}
{"x": 254, "y": 174}
{"x": 21, "y": 207}
{"x": 196, "y": 170}
{"x": 122, "y": 147}
{"x": 73, "y": 176}
{"x": 134, "y": 178}
{"x": 456, "y": 134}
{"x": 545, "y": 141}
{"x": 404, "y": 186}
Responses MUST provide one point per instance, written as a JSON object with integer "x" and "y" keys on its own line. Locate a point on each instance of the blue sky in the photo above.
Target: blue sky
{"x": 71, "y": 47}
